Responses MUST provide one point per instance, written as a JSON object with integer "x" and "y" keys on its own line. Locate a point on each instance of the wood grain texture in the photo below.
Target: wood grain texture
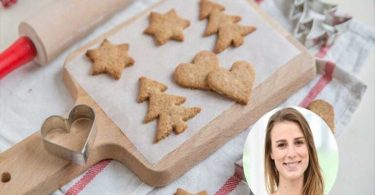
{"x": 38, "y": 172}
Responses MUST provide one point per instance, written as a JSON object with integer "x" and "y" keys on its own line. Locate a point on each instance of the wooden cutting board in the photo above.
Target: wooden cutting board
{"x": 29, "y": 165}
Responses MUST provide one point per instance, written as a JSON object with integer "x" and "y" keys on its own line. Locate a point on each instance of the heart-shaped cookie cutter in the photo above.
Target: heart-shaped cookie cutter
{"x": 58, "y": 122}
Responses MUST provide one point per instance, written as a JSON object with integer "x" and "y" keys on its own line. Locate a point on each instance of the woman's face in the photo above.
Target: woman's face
{"x": 289, "y": 150}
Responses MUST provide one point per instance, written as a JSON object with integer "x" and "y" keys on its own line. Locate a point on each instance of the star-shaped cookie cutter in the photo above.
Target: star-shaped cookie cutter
{"x": 80, "y": 113}
{"x": 317, "y": 23}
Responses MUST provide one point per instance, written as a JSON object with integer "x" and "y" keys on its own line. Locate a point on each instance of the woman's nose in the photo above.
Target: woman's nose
{"x": 291, "y": 152}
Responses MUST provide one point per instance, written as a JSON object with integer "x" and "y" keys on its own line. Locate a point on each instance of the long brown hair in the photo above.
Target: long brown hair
{"x": 313, "y": 180}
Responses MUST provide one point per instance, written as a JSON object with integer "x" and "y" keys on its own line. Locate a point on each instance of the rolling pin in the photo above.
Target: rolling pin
{"x": 46, "y": 34}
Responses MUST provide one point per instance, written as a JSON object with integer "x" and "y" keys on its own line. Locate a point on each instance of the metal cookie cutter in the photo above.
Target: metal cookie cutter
{"x": 55, "y": 126}
{"x": 317, "y": 22}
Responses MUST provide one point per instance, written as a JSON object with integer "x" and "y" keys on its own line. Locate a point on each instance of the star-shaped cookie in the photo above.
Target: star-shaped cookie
{"x": 110, "y": 58}
{"x": 166, "y": 26}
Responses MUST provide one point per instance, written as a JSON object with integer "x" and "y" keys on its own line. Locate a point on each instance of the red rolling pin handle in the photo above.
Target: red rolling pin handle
{"x": 21, "y": 52}
{"x": 7, "y": 3}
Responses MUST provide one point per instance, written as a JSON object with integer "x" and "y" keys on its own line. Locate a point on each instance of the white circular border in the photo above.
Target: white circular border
{"x": 325, "y": 144}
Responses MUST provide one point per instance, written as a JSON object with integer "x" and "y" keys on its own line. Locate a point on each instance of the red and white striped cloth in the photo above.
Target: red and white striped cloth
{"x": 32, "y": 93}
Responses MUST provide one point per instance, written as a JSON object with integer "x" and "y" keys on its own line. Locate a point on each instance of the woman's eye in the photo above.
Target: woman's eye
{"x": 281, "y": 145}
{"x": 299, "y": 143}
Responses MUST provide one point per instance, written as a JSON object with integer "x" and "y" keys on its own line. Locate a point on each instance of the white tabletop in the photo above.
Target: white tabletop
{"x": 356, "y": 145}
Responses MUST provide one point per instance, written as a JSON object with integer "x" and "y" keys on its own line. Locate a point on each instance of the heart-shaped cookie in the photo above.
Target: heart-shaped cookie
{"x": 194, "y": 75}
{"x": 70, "y": 138}
{"x": 235, "y": 84}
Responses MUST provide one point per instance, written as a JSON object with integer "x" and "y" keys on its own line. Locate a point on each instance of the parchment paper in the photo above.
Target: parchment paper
{"x": 265, "y": 49}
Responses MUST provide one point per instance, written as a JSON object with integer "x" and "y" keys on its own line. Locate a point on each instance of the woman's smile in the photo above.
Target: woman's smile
{"x": 292, "y": 166}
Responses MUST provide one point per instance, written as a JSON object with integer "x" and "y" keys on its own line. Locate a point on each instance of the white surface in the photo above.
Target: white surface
{"x": 356, "y": 145}
{"x": 121, "y": 105}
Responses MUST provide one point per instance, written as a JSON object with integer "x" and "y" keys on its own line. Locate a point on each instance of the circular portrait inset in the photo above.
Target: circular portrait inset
{"x": 290, "y": 151}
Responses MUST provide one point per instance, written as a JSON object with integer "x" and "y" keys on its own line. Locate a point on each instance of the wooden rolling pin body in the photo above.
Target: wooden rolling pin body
{"x": 64, "y": 22}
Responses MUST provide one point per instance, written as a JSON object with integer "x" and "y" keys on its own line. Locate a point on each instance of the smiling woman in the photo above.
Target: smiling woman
{"x": 291, "y": 161}
{"x": 290, "y": 151}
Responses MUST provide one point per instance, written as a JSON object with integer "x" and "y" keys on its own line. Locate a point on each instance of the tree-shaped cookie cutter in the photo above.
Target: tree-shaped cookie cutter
{"x": 317, "y": 23}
